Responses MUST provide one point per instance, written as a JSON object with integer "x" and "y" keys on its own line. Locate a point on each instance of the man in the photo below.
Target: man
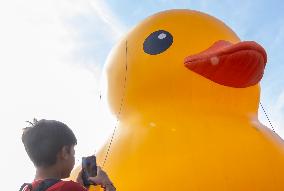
{"x": 50, "y": 146}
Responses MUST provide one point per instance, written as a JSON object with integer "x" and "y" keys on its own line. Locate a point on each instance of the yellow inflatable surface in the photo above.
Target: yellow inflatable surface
{"x": 186, "y": 92}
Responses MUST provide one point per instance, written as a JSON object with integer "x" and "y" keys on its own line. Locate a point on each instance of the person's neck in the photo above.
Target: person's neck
{"x": 47, "y": 173}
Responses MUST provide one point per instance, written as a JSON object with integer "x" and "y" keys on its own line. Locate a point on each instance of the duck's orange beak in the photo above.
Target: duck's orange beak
{"x": 236, "y": 65}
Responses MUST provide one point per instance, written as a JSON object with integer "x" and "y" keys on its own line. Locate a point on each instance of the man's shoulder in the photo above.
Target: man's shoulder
{"x": 67, "y": 186}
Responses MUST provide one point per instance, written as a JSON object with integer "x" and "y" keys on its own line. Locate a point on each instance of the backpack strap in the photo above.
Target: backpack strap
{"x": 26, "y": 185}
{"x": 43, "y": 186}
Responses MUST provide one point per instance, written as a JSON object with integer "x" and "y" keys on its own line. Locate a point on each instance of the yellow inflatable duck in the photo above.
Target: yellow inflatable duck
{"x": 186, "y": 92}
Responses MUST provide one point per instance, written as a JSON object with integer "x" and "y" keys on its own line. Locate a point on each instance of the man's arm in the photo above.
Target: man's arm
{"x": 101, "y": 179}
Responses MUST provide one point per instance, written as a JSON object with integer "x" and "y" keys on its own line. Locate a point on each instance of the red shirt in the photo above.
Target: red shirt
{"x": 61, "y": 186}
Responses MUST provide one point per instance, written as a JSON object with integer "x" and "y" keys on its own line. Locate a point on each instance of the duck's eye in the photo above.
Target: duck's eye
{"x": 157, "y": 42}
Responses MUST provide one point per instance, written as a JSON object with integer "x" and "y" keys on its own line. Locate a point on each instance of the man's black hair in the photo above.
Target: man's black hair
{"x": 44, "y": 139}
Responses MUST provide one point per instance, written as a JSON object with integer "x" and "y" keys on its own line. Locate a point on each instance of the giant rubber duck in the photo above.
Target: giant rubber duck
{"x": 186, "y": 92}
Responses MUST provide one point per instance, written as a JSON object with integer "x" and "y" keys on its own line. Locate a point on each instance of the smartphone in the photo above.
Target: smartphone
{"x": 89, "y": 169}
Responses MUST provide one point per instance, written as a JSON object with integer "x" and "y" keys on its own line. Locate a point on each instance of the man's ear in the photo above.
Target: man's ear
{"x": 64, "y": 152}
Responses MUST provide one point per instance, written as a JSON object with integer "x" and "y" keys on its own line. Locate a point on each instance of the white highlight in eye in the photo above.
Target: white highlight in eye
{"x": 162, "y": 36}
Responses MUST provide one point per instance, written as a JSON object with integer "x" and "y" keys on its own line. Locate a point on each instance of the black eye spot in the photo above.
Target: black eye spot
{"x": 157, "y": 42}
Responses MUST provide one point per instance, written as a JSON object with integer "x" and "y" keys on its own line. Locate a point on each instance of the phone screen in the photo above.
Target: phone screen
{"x": 89, "y": 167}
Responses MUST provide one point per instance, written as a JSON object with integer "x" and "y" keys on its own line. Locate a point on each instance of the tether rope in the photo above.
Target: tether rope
{"x": 120, "y": 108}
{"x": 267, "y": 117}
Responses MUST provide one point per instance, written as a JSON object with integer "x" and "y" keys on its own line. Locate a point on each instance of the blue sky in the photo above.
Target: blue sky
{"x": 53, "y": 52}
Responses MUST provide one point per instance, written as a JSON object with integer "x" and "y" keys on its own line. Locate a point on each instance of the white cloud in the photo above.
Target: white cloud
{"x": 278, "y": 114}
{"x": 104, "y": 12}
{"x": 38, "y": 78}
{"x": 275, "y": 113}
{"x": 272, "y": 100}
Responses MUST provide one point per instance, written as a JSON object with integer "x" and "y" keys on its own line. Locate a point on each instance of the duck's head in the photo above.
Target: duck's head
{"x": 184, "y": 58}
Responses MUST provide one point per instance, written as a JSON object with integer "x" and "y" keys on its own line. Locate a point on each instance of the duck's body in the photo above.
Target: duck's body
{"x": 207, "y": 153}
{"x": 181, "y": 129}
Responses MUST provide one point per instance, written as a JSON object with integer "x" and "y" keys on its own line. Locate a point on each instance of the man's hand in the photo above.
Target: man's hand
{"x": 103, "y": 180}
{"x": 79, "y": 178}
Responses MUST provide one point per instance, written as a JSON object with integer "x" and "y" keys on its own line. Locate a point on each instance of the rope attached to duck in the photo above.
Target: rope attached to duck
{"x": 120, "y": 107}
